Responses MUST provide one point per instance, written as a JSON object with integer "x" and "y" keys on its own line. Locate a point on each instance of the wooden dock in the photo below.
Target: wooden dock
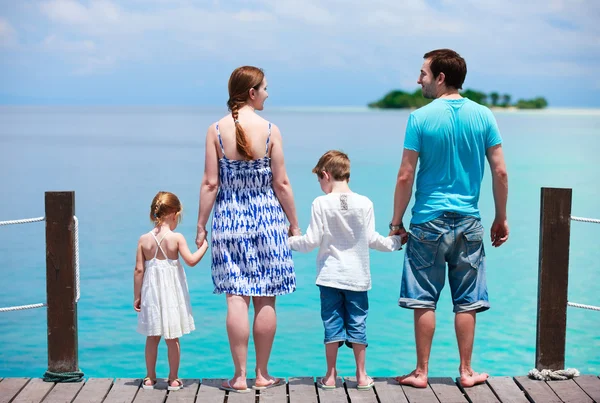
{"x": 517, "y": 389}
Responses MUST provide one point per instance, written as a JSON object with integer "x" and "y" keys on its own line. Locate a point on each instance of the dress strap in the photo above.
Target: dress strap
{"x": 268, "y": 139}
{"x": 220, "y": 141}
{"x": 158, "y": 243}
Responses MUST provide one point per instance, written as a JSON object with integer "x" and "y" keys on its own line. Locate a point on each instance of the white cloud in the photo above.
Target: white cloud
{"x": 54, "y": 43}
{"x": 8, "y": 35}
{"x": 501, "y": 36}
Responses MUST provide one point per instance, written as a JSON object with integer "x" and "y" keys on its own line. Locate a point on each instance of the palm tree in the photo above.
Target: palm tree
{"x": 494, "y": 96}
{"x": 506, "y": 100}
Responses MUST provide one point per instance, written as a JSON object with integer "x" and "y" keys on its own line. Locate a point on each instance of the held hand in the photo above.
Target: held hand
{"x": 204, "y": 243}
{"x": 402, "y": 233}
{"x": 499, "y": 232}
{"x": 200, "y": 237}
{"x": 294, "y": 231}
{"x": 137, "y": 304}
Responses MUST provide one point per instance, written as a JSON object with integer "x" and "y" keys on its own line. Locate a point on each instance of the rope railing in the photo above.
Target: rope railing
{"x": 582, "y": 306}
{"x": 583, "y": 219}
{"x": 76, "y": 256}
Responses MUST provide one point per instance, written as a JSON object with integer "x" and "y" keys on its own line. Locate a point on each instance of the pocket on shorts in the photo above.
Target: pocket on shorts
{"x": 474, "y": 245}
{"x": 424, "y": 246}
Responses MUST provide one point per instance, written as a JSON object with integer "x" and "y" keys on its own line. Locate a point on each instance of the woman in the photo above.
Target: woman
{"x": 245, "y": 172}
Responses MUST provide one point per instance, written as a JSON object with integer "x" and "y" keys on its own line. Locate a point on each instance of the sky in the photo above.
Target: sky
{"x": 313, "y": 52}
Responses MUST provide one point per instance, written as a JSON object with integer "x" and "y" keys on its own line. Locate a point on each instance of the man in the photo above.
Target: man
{"x": 451, "y": 137}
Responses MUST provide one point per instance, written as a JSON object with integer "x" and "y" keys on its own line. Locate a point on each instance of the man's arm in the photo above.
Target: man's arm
{"x": 499, "y": 231}
{"x": 403, "y": 192}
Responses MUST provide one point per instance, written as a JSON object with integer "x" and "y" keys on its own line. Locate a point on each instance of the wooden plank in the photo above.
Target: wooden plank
{"x": 185, "y": 395}
{"x": 506, "y": 389}
{"x": 337, "y": 395}
{"x": 10, "y": 387}
{"x": 446, "y": 390}
{"x": 359, "y": 396}
{"x": 123, "y": 390}
{"x": 538, "y": 391}
{"x": 60, "y": 282}
{"x": 63, "y": 392}
{"x": 94, "y": 390}
{"x": 553, "y": 278}
{"x": 589, "y": 383}
{"x": 209, "y": 391}
{"x": 276, "y": 394}
{"x": 569, "y": 391}
{"x": 156, "y": 395}
{"x": 421, "y": 395}
{"x": 233, "y": 397}
{"x": 302, "y": 390}
{"x": 34, "y": 391}
{"x": 481, "y": 393}
{"x": 389, "y": 391}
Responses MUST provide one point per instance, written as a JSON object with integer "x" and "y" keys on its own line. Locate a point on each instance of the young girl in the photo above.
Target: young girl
{"x": 160, "y": 287}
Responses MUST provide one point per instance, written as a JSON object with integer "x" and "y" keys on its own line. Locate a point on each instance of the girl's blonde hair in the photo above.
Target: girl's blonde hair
{"x": 163, "y": 204}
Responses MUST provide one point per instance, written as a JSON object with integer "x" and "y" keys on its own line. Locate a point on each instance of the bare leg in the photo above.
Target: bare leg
{"x": 263, "y": 331}
{"x": 238, "y": 331}
{"x": 360, "y": 356}
{"x": 464, "y": 324}
{"x": 151, "y": 354}
{"x": 174, "y": 353}
{"x": 424, "y": 330}
{"x": 331, "y": 352}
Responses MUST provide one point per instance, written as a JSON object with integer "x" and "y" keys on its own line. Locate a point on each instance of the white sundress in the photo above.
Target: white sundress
{"x": 165, "y": 309}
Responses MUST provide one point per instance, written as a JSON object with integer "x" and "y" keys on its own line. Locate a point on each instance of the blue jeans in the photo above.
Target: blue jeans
{"x": 452, "y": 239}
{"x": 344, "y": 314}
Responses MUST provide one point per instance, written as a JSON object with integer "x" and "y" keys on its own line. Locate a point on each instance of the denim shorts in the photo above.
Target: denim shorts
{"x": 344, "y": 314}
{"x": 451, "y": 239}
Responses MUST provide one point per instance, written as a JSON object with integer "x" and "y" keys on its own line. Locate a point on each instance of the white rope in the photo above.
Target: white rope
{"x": 22, "y": 307}
{"x": 550, "y": 375}
{"x": 582, "y": 306}
{"x": 24, "y": 221}
{"x": 76, "y": 258}
{"x": 582, "y": 219}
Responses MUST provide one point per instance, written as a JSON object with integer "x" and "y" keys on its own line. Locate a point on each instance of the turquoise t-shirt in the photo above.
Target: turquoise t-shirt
{"x": 451, "y": 137}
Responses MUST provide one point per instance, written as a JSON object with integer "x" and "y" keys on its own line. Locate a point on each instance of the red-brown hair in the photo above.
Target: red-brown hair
{"x": 241, "y": 81}
{"x": 163, "y": 204}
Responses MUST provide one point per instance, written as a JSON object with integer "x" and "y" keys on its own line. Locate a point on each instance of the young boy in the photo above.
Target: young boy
{"x": 343, "y": 227}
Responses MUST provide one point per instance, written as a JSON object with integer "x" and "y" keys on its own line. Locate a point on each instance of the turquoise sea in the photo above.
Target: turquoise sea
{"x": 117, "y": 158}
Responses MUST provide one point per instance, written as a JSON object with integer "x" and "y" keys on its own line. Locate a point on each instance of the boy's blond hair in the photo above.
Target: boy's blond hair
{"x": 335, "y": 163}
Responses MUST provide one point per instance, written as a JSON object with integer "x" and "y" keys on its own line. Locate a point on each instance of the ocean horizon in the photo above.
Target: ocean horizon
{"x": 108, "y": 156}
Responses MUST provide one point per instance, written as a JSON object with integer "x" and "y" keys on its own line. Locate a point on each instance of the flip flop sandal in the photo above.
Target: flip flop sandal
{"x": 232, "y": 389}
{"x": 277, "y": 382}
{"x": 322, "y": 385}
{"x": 152, "y": 383}
{"x": 177, "y": 387}
{"x": 368, "y": 386}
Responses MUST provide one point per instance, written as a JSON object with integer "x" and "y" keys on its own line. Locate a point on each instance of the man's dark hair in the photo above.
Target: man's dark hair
{"x": 450, "y": 63}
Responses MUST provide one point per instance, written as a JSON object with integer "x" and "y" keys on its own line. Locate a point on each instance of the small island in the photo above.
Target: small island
{"x": 399, "y": 99}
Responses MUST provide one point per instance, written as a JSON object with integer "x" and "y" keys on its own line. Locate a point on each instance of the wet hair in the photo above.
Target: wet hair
{"x": 240, "y": 82}
{"x": 451, "y": 64}
{"x": 335, "y": 163}
{"x": 163, "y": 204}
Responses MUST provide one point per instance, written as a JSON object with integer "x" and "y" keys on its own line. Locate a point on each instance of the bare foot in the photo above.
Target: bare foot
{"x": 470, "y": 378}
{"x": 414, "y": 379}
{"x": 264, "y": 381}
{"x": 238, "y": 383}
{"x": 329, "y": 379}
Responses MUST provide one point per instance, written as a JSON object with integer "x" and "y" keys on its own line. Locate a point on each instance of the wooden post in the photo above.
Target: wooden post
{"x": 60, "y": 282}
{"x": 553, "y": 278}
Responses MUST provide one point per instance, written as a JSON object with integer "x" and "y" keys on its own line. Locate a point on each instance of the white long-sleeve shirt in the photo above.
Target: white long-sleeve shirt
{"x": 342, "y": 225}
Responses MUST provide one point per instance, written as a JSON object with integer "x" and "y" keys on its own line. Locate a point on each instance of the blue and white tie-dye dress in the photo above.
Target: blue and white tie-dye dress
{"x": 250, "y": 251}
